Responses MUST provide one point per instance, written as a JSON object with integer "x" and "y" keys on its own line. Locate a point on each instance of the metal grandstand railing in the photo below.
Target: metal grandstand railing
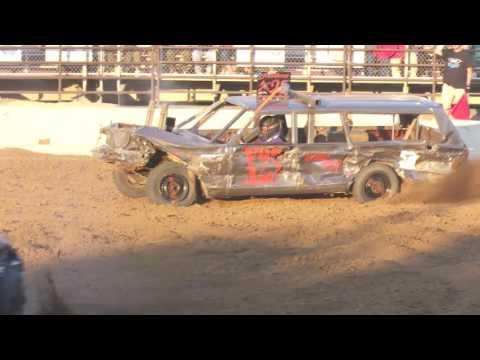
{"x": 108, "y": 69}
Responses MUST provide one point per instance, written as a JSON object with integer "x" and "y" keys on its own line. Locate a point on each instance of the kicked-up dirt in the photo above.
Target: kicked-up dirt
{"x": 89, "y": 250}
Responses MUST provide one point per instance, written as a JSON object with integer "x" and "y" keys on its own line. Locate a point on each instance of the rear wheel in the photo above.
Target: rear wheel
{"x": 375, "y": 182}
{"x": 171, "y": 183}
{"x": 131, "y": 184}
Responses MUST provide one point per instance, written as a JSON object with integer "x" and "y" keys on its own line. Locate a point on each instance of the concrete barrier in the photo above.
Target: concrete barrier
{"x": 67, "y": 129}
{"x": 73, "y": 128}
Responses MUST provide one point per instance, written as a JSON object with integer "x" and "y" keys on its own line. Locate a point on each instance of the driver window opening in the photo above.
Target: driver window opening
{"x": 274, "y": 129}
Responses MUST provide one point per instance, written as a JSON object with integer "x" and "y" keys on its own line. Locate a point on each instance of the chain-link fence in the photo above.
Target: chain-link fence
{"x": 76, "y": 59}
{"x": 188, "y": 64}
{"x": 314, "y": 60}
{"x": 400, "y": 61}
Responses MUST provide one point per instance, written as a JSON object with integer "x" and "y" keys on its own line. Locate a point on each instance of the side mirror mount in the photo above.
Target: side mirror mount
{"x": 170, "y": 123}
{"x": 433, "y": 147}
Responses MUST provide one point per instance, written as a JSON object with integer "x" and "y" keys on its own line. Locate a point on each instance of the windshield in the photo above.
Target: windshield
{"x": 213, "y": 121}
{"x": 187, "y": 124}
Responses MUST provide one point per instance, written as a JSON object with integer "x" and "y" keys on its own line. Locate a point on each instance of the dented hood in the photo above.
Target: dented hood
{"x": 179, "y": 138}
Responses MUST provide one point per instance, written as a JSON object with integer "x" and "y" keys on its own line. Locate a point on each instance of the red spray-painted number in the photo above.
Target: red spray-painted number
{"x": 265, "y": 159}
{"x": 268, "y": 87}
{"x": 324, "y": 161}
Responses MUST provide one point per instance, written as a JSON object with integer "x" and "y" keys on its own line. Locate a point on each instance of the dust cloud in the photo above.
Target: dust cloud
{"x": 461, "y": 185}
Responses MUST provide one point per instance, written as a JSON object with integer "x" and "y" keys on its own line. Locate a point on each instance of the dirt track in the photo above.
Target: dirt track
{"x": 88, "y": 250}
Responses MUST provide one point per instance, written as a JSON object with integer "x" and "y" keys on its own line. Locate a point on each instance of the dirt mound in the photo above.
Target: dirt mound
{"x": 89, "y": 250}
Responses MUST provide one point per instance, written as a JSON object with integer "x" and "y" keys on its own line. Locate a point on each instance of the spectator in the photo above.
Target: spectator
{"x": 329, "y": 54}
{"x": 130, "y": 57}
{"x": 294, "y": 58}
{"x": 110, "y": 56}
{"x": 476, "y": 58}
{"x": 358, "y": 57}
{"x": 227, "y": 53}
{"x": 183, "y": 58}
{"x": 370, "y": 59}
{"x": 424, "y": 57}
{"x": 34, "y": 55}
{"x": 457, "y": 74}
{"x": 392, "y": 53}
{"x": 336, "y": 54}
{"x": 95, "y": 59}
{"x": 176, "y": 59}
{"x": 412, "y": 60}
{"x": 168, "y": 55}
{"x": 203, "y": 53}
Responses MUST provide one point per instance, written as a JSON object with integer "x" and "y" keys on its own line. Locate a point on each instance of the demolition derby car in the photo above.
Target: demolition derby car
{"x": 364, "y": 145}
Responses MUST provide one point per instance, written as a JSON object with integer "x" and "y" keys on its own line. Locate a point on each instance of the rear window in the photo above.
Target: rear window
{"x": 385, "y": 127}
{"x": 328, "y": 128}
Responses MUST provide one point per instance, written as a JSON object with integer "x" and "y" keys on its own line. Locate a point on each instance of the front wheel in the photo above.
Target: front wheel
{"x": 171, "y": 183}
{"x": 129, "y": 184}
{"x": 374, "y": 182}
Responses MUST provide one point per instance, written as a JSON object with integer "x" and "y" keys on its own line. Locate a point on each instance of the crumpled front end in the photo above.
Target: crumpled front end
{"x": 122, "y": 146}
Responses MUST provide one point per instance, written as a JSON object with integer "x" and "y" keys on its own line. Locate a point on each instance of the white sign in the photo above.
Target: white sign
{"x": 272, "y": 56}
{"x": 408, "y": 160}
{"x": 358, "y": 56}
{"x": 333, "y": 54}
{"x": 11, "y": 55}
{"x": 69, "y": 54}
{"x": 330, "y": 54}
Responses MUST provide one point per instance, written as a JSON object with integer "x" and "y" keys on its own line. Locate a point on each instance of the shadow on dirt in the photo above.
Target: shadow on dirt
{"x": 355, "y": 272}
{"x": 269, "y": 197}
{"x": 51, "y": 303}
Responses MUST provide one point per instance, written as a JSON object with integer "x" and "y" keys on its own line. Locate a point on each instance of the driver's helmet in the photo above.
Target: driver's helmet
{"x": 271, "y": 127}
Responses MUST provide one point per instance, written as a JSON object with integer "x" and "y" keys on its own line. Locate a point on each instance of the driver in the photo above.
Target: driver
{"x": 271, "y": 130}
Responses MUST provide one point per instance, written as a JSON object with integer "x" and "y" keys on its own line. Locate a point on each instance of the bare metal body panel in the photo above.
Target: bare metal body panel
{"x": 234, "y": 169}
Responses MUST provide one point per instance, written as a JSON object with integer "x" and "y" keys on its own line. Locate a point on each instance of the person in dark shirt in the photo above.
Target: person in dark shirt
{"x": 457, "y": 75}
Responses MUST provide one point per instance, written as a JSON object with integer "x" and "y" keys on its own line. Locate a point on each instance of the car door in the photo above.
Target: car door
{"x": 323, "y": 153}
{"x": 265, "y": 169}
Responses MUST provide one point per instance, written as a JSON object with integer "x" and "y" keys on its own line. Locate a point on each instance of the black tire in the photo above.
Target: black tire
{"x": 126, "y": 185}
{"x": 171, "y": 183}
{"x": 374, "y": 182}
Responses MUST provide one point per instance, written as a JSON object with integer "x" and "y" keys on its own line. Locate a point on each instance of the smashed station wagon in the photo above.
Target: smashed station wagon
{"x": 362, "y": 145}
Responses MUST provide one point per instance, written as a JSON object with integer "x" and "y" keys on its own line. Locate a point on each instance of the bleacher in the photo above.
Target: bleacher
{"x": 193, "y": 73}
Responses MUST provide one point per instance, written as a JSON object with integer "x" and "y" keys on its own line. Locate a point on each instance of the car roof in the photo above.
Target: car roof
{"x": 340, "y": 102}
